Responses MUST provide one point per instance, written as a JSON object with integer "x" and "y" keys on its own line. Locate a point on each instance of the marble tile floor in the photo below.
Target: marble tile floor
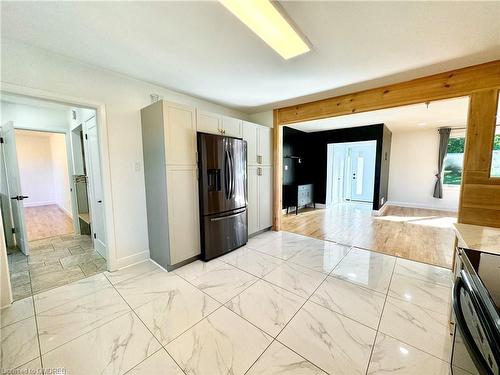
{"x": 351, "y": 311}
{"x": 53, "y": 262}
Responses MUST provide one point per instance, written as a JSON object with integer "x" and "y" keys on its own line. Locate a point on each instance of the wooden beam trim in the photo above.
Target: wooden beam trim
{"x": 278, "y": 171}
{"x": 456, "y": 83}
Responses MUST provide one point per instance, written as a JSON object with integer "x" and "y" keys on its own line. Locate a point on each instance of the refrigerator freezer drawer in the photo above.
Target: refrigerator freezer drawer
{"x": 223, "y": 233}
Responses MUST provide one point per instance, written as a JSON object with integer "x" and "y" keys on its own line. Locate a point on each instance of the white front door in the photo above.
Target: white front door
{"x": 362, "y": 159}
{"x": 96, "y": 194}
{"x": 14, "y": 187}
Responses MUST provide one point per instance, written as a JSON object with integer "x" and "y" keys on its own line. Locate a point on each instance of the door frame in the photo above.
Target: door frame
{"x": 102, "y": 130}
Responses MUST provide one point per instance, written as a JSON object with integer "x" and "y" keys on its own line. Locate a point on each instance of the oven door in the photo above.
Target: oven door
{"x": 475, "y": 346}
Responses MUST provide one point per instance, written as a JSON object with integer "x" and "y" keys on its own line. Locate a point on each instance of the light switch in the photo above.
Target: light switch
{"x": 137, "y": 166}
{"x": 286, "y": 167}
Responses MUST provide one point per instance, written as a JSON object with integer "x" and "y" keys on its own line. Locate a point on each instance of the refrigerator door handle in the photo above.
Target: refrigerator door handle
{"x": 227, "y": 174}
{"x": 228, "y": 216}
{"x": 231, "y": 160}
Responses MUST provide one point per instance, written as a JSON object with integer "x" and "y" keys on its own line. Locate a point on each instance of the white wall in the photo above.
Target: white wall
{"x": 30, "y": 117}
{"x": 123, "y": 98}
{"x": 262, "y": 118}
{"x": 35, "y": 168}
{"x": 412, "y": 168}
{"x": 62, "y": 193}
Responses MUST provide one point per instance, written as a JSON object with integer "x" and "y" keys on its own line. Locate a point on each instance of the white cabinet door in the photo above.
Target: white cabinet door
{"x": 180, "y": 134}
{"x": 209, "y": 122}
{"x": 253, "y": 200}
{"x": 265, "y": 197}
{"x": 183, "y": 219}
{"x": 231, "y": 126}
{"x": 250, "y": 134}
{"x": 265, "y": 149}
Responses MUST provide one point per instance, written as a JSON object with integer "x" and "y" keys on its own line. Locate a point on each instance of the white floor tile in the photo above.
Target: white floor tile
{"x": 197, "y": 268}
{"x": 224, "y": 282}
{"x": 171, "y": 314}
{"x": 296, "y": 279}
{"x": 358, "y": 303}
{"x": 394, "y": 357}
{"x": 17, "y": 311}
{"x": 285, "y": 247}
{"x": 366, "y": 268}
{"x": 19, "y": 344}
{"x": 158, "y": 363}
{"x": 424, "y": 329}
{"x": 144, "y": 288}
{"x": 254, "y": 262}
{"x": 131, "y": 271}
{"x": 321, "y": 258}
{"x": 66, "y": 322}
{"x": 425, "y": 272}
{"x": 331, "y": 341}
{"x": 279, "y": 360}
{"x": 435, "y": 297}
{"x": 267, "y": 306}
{"x": 66, "y": 294}
{"x": 113, "y": 348}
{"x": 223, "y": 343}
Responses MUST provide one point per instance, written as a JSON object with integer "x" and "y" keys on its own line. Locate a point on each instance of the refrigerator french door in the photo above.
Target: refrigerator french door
{"x": 222, "y": 163}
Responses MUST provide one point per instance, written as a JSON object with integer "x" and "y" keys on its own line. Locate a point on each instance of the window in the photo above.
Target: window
{"x": 495, "y": 159}
{"x": 454, "y": 161}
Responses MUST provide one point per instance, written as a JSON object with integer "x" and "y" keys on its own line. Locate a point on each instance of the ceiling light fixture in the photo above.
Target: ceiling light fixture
{"x": 268, "y": 21}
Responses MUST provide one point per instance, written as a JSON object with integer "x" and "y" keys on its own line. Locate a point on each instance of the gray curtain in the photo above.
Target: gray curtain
{"x": 444, "y": 137}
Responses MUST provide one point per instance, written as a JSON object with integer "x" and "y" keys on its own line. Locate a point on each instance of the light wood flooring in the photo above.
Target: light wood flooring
{"x": 47, "y": 221}
{"x": 412, "y": 233}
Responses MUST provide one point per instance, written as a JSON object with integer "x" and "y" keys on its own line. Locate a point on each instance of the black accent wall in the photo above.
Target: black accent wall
{"x": 313, "y": 149}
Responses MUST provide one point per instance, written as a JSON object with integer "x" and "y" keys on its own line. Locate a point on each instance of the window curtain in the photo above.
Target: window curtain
{"x": 444, "y": 137}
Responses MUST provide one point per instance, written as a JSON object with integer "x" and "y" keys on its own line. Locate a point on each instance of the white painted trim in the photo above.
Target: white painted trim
{"x": 111, "y": 258}
{"x": 131, "y": 260}
{"x": 381, "y": 210}
{"x": 38, "y": 204}
{"x": 418, "y": 205}
{"x": 70, "y": 214}
{"x": 320, "y": 205}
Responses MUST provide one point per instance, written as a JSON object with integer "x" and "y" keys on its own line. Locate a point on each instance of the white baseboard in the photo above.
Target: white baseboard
{"x": 320, "y": 205}
{"x": 36, "y": 204}
{"x": 69, "y": 213}
{"x": 131, "y": 260}
{"x": 381, "y": 210}
{"x": 419, "y": 205}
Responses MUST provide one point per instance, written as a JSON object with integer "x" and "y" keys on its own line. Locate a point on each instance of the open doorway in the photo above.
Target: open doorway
{"x": 350, "y": 172}
{"x": 51, "y": 194}
{"x": 407, "y": 206}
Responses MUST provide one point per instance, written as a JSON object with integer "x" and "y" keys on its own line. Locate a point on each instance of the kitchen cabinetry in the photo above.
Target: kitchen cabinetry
{"x": 213, "y": 123}
{"x": 171, "y": 176}
{"x": 169, "y": 146}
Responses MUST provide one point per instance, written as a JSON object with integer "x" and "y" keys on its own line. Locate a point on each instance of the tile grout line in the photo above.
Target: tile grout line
{"x": 380, "y": 319}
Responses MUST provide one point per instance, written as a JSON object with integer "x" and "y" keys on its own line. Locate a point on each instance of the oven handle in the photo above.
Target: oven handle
{"x": 469, "y": 342}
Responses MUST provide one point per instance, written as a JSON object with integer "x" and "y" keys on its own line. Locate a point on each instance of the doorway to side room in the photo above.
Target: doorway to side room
{"x": 51, "y": 194}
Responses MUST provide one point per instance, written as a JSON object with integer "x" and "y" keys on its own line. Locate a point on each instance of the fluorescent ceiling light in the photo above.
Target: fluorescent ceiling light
{"x": 265, "y": 20}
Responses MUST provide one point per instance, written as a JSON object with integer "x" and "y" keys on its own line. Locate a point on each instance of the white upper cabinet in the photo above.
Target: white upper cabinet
{"x": 231, "y": 126}
{"x": 209, "y": 122}
{"x": 264, "y": 155}
{"x": 250, "y": 134}
{"x": 180, "y": 134}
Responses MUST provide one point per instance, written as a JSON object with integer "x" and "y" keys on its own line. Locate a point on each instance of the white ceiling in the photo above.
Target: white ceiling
{"x": 443, "y": 113}
{"x": 201, "y": 49}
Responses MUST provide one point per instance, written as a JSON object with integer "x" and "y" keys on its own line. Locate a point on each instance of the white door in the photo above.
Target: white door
{"x": 362, "y": 159}
{"x": 14, "y": 186}
{"x": 231, "y": 126}
{"x": 95, "y": 182}
{"x": 208, "y": 122}
{"x": 265, "y": 197}
{"x": 265, "y": 146}
{"x": 253, "y": 200}
{"x": 250, "y": 134}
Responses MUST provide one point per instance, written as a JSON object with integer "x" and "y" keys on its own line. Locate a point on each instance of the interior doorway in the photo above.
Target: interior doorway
{"x": 51, "y": 190}
{"x": 350, "y": 172}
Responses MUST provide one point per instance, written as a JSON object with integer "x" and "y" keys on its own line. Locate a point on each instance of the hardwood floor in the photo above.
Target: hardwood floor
{"x": 412, "y": 233}
{"x": 47, "y": 221}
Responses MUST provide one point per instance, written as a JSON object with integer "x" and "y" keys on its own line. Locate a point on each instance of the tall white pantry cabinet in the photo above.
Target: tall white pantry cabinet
{"x": 171, "y": 176}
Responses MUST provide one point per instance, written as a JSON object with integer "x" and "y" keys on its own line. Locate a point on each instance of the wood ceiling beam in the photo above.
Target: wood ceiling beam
{"x": 452, "y": 84}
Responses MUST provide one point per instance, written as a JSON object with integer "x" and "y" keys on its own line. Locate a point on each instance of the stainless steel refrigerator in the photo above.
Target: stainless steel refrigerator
{"x": 222, "y": 163}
